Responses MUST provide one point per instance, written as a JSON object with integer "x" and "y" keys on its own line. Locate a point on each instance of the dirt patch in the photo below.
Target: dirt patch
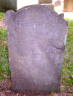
{"x": 2, "y": 24}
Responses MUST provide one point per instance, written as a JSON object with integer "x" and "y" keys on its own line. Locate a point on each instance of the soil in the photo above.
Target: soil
{"x": 5, "y": 85}
{"x": 2, "y": 24}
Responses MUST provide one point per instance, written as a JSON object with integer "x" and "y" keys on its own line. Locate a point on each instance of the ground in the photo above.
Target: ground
{"x": 5, "y": 84}
{"x": 2, "y": 24}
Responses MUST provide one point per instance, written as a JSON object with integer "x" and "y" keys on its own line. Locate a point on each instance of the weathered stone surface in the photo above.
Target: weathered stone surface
{"x": 36, "y": 43}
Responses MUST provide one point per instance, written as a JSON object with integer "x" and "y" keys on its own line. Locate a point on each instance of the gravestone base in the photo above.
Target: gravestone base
{"x": 35, "y": 90}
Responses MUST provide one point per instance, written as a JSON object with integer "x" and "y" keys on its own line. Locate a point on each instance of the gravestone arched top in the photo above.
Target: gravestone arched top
{"x": 35, "y": 14}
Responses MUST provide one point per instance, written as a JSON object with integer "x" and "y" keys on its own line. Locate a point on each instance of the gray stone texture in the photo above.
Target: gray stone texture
{"x": 36, "y": 43}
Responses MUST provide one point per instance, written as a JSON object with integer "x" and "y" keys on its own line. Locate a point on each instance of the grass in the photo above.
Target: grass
{"x": 67, "y": 72}
{"x": 4, "y": 64}
{"x": 2, "y": 15}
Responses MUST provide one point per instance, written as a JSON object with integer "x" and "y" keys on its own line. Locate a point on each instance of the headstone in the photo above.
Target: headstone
{"x": 18, "y": 4}
{"x": 48, "y": 3}
{"x": 8, "y": 4}
{"x": 45, "y": 1}
{"x": 36, "y": 43}
{"x": 68, "y": 6}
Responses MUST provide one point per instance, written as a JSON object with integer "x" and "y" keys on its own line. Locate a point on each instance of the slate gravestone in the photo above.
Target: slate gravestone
{"x": 36, "y": 43}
